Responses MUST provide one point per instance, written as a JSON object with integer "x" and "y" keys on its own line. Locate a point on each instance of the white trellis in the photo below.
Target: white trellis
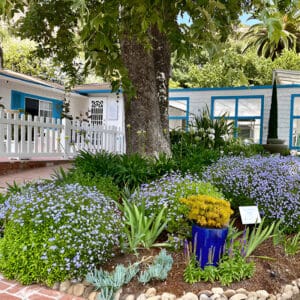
{"x": 26, "y": 137}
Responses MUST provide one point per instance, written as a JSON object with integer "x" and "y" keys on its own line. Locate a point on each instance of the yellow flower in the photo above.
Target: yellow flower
{"x": 208, "y": 211}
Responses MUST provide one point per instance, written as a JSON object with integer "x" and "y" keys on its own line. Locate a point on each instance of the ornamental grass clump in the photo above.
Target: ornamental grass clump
{"x": 53, "y": 233}
{"x": 208, "y": 211}
{"x": 272, "y": 183}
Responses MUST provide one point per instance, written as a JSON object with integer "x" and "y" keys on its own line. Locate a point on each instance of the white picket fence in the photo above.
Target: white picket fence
{"x": 24, "y": 137}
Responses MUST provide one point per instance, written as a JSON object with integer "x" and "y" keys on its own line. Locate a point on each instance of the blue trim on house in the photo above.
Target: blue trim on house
{"x": 86, "y": 92}
{"x": 18, "y": 102}
{"x": 31, "y": 81}
{"x": 260, "y": 87}
{"x": 187, "y": 113}
{"x": 236, "y": 117}
{"x": 96, "y": 91}
{"x": 262, "y": 105}
{"x": 292, "y": 117}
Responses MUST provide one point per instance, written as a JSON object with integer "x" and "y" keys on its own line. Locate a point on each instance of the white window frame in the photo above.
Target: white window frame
{"x": 49, "y": 110}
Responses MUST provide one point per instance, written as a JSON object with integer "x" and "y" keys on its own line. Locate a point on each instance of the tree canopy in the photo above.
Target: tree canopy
{"x": 278, "y": 28}
{"x": 19, "y": 56}
{"x": 232, "y": 68}
{"x": 129, "y": 43}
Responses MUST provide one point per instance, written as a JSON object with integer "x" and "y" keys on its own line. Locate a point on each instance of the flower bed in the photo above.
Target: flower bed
{"x": 57, "y": 232}
{"x": 272, "y": 183}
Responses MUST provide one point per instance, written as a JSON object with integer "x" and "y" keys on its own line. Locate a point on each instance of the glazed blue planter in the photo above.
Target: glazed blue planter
{"x": 208, "y": 244}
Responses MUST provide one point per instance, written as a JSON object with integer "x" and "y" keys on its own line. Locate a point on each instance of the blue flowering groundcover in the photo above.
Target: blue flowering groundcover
{"x": 57, "y": 232}
{"x": 272, "y": 183}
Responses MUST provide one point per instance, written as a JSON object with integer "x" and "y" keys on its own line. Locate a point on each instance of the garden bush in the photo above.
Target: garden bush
{"x": 192, "y": 155}
{"x": 124, "y": 170}
{"x": 238, "y": 147}
{"x": 193, "y": 158}
{"x": 272, "y": 183}
{"x": 53, "y": 233}
{"x": 166, "y": 192}
{"x": 99, "y": 164}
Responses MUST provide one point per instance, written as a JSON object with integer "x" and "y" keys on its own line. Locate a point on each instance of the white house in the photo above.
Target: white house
{"x": 37, "y": 97}
{"x": 248, "y": 107}
{"x": 43, "y": 132}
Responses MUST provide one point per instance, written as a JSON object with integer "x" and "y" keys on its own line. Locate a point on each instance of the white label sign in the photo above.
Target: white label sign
{"x": 249, "y": 214}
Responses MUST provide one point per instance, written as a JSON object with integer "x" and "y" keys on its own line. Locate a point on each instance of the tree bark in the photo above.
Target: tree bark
{"x": 146, "y": 114}
{"x": 1, "y": 58}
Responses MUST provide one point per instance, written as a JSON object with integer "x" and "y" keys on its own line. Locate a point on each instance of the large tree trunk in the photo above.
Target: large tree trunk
{"x": 1, "y": 58}
{"x": 146, "y": 114}
{"x": 162, "y": 65}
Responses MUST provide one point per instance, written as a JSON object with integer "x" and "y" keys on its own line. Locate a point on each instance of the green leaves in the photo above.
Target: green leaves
{"x": 277, "y": 30}
{"x": 142, "y": 231}
{"x": 292, "y": 244}
{"x": 257, "y": 236}
{"x": 230, "y": 269}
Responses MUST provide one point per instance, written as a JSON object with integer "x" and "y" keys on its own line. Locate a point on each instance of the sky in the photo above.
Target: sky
{"x": 243, "y": 18}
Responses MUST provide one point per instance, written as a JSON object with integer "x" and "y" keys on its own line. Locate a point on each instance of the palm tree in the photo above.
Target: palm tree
{"x": 278, "y": 29}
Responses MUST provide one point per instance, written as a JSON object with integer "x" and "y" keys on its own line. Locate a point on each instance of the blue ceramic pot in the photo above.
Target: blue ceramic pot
{"x": 208, "y": 244}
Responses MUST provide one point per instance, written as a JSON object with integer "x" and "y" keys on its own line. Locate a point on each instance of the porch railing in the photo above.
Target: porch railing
{"x": 22, "y": 137}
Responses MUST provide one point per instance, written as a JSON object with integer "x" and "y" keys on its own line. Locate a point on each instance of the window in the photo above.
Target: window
{"x": 97, "y": 112}
{"x": 39, "y": 108}
{"x": 45, "y": 109}
{"x": 32, "y": 106}
{"x": 295, "y": 123}
{"x": 245, "y": 111}
{"x": 179, "y": 113}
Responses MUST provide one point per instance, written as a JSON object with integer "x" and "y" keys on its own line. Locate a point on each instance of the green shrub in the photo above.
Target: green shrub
{"x": 162, "y": 165}
{"x": 2, "y": 200}
{"x": 99, "y": 164}
{"x": 125, "y": 170}
{"x": 132, "y": 170}
{"x": 238, "y": 147}
{"x": 53, "y": 233}
{"x": 191, "y": 158}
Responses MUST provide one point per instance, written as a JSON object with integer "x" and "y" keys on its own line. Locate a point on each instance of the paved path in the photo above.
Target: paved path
{"x": 29, "y": 175}
{"x": 12, "y": 290}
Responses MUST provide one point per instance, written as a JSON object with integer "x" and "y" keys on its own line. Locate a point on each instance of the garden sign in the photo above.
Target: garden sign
{"x": 249, "y": 215}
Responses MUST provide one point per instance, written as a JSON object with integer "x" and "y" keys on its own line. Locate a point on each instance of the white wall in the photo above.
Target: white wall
{"x": 284, "y": 111}
{"x": 79, "y": 105}
{"x": 200, "y": 98}
{"x": 8, "y": 84}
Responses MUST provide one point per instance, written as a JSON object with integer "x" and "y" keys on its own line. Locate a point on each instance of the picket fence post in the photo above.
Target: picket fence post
{"x": 66, "y": 136}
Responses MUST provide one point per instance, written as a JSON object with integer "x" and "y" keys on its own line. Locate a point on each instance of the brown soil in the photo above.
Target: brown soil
{"x": 270, "y": 274}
